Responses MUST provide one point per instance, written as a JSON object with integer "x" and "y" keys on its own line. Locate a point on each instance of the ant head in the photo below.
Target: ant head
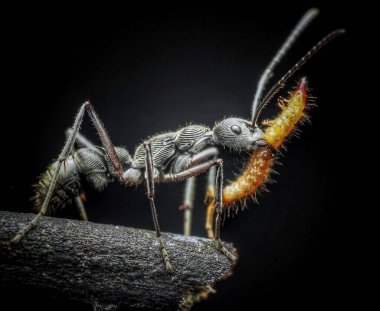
{"x": 237, "y": 134}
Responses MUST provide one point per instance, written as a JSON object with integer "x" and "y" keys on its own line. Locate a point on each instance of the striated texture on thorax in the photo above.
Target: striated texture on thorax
{"x": 165, "y": 146}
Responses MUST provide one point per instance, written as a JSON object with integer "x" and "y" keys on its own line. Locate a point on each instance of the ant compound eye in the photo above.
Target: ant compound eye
{"x": 236, "y": 129}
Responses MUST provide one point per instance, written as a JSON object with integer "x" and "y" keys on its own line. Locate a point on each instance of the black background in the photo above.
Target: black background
{"x": 151, "y": 74}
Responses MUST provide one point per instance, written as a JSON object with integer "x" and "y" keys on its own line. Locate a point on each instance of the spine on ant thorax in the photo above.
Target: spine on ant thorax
{"x": 86, "y": 165}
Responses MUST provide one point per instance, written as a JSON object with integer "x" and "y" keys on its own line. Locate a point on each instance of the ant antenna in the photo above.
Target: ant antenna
{"x": 268, "y": 72}
{"x": 281, "y": 83}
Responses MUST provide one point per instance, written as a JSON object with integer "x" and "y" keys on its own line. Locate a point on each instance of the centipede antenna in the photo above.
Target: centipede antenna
{"x": 268, "y": 72}
{"x": 281, "y": 83}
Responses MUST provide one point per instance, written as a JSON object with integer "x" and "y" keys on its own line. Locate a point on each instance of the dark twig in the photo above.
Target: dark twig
{"x": 107, "y": 265}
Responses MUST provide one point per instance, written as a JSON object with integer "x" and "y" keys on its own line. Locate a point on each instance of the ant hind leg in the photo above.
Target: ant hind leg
{"x": 81, "y": 208}
{"x": 65, "y": 153}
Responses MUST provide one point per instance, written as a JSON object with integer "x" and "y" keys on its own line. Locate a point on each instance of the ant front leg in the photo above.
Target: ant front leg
{"x": 188, "y": 205}
{"x": 218, "y": 198}
{"x": 218, "y": 203}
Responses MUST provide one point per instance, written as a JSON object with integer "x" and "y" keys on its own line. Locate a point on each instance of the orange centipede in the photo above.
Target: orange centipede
{"x": 259, "y": 166}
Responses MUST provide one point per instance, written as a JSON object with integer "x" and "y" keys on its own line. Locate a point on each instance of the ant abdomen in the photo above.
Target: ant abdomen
{"x": 86, "y": 165}
{"x": 68, "y": 186}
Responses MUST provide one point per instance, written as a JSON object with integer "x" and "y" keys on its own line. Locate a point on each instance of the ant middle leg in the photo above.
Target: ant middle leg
{"x": 150, "y": 187}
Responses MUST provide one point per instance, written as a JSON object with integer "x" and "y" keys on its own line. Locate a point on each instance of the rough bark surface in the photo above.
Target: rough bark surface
{"x": 110, "y": 266}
